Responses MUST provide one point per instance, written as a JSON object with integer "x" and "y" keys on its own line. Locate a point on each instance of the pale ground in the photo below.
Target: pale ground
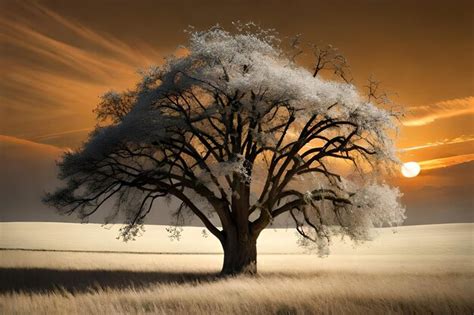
{"x": 418, "y": 269}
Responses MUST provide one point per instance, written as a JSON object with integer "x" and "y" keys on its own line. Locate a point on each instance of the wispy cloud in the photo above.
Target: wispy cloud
{"x": 446, "y": 162}
{"x": 7, "y": 142}
{"x": 423, "y": 115}
{"x": 59, "y": 134}
{"x": 54, "y": 67}
{"x": 461, "y": 139}
{"x": 112, "y": 45}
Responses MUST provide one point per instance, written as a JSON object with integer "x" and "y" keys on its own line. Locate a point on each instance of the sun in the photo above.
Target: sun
{"x": 410, "y": 169}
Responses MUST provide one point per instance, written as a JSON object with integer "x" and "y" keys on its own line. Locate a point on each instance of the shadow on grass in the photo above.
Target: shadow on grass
{"x": 44, "y": 280}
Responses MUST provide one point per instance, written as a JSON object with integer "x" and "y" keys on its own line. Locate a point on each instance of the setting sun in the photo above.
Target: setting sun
{"x": 410, "y": 169}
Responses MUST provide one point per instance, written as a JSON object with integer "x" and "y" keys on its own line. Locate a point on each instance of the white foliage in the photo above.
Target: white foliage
{"x": 211, "y": 52}
{"x": 252, "y": 63}
{"x": 376, "y": 205}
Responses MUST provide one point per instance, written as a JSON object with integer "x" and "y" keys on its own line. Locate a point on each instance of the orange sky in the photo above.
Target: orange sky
{"x": 57, "y": 57}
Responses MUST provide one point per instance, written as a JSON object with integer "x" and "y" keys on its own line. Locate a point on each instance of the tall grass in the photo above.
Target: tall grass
{"x": 87, "y": 283}
{"x": 327, "y": 293}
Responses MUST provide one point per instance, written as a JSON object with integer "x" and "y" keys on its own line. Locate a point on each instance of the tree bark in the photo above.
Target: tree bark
{"x": 240, "y": 255}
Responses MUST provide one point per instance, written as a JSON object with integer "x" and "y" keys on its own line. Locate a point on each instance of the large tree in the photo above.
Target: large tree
{"x": 237, "y": 129}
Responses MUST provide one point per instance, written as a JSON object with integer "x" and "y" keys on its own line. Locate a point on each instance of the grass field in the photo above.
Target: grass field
{"x": 420, "y": 269}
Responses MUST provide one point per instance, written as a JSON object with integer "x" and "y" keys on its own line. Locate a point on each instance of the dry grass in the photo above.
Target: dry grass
{"x": 416, "y": 275}
{"x": 267, "y": 294}
{"x": 187, "y": 284}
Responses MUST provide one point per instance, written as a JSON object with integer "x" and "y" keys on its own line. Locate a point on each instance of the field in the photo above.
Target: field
{"x": 419, "y": 269}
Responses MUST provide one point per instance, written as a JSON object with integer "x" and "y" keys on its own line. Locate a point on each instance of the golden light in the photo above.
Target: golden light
{"x": 410, "y": 169}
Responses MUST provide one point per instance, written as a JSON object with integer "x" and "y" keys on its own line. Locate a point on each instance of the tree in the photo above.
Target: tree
{"x": 237, "y": 129}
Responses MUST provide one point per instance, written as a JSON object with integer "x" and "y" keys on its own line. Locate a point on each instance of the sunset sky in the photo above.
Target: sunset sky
{"x": 58, "y": 57}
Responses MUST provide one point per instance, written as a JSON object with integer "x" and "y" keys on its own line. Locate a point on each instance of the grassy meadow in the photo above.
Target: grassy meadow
{"x": 418, "y": 269}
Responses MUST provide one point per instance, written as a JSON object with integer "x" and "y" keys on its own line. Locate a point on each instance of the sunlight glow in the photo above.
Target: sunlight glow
{"x": 410, "y": 169}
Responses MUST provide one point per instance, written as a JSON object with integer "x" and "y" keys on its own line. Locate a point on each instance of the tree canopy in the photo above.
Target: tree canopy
{"x": 237, "y": 129}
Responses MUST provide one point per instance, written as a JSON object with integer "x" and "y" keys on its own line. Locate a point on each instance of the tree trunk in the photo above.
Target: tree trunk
{"x": 240, "y": 255}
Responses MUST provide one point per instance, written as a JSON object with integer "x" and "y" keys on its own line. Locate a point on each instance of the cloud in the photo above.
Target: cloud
{"x": 10, "y": 146}
{"x": 108, "y": 43}
{"x": 446, "y": 161}
{"x": 461, "y": 139}
{"x": 423, "y": 115}
{"x": 54, "y": 69}
{"x": 59, "y": 134}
